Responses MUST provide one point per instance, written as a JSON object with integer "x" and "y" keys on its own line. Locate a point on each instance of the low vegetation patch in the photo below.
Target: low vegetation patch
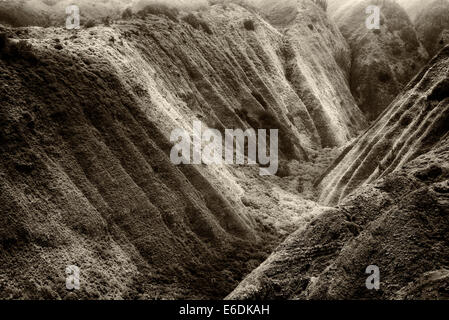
{"x": 127, "y": 14}
{"x": 197, "y": 23}
{"x": 249, "y": 25}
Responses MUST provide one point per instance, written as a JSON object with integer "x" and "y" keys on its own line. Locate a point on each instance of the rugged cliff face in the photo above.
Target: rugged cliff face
{"x": 410, "y": 127}
{"x": 397, "y": 223}
{"x": 383, "y": 61}
{"x": 432, "y": 25}
{"x": 85, "y": 123}
{"x": 413, "y": 7}
{"x": 317, "y": 66}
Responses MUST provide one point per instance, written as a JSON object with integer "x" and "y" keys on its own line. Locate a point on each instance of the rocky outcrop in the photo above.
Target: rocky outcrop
{"x": 86, "y": 177}
{"x": 398, "y": 222}
{"x": 384, "y": 60}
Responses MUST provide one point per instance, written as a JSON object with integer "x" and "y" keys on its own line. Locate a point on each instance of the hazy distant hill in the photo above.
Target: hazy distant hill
{"x": 432, "y": 25}
{"x": 383, "y": 61}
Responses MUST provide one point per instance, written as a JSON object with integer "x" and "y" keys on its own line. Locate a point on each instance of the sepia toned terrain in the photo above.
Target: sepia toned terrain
{"x": 86, "y": 177}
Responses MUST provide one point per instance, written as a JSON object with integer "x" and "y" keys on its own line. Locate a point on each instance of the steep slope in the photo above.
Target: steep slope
{"x": 86, "y": 177}
{"x": 22, "y": 13}
{"x": 383, "y": 61}
{"x": 413, "y": 7}
{"x": 432, "y": 25}
{"x": 399, "y": 223}
{"x": 309, "y": 39}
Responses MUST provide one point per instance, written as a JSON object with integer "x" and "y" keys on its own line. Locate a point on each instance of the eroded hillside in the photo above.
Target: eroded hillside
{"x": 383, "y": 60}
{"x": 398, "y": 222}
{"x": 86, "y": 177}
{"x": 45, "y": 13}
{"x": 416, "y": 121}
{"x": 432, "y": 25}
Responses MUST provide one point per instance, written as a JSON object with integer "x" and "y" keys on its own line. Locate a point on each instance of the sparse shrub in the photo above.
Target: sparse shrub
{"x": 408, "y": 35}
{"x": 242, "y": 114}
{"x": 50, "y": 3}
{"x": 127, "y": 14}
{"x": 321, "y": 3}
{"x": 249, "y": 25}
{"x": 268, "y": 120}
{"x": 343, "y": 59}
{"x": 159, "y": 9}
{"x": 283, "y": 170}
{"x": 90, "y": 23}
{"x": 197, "y": 23}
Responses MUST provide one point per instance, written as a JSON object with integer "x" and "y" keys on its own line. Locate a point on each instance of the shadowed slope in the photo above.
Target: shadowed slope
{"x": 86, "y": 180}
{"x": 399, "y": 222}
{"x": 85, "y": 173}
{"x": 415, "y": 121}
